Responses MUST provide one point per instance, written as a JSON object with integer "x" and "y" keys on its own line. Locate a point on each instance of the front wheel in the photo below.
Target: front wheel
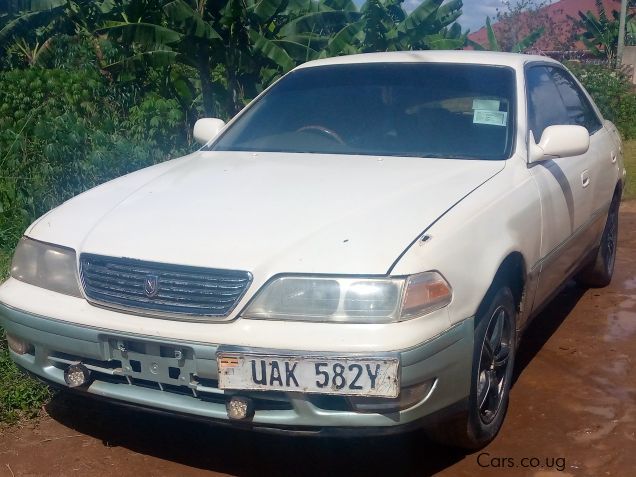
{"x": 493, "y": 362}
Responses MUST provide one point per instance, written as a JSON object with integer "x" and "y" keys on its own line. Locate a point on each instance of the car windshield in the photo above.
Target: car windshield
{"x": 389, "y": 109}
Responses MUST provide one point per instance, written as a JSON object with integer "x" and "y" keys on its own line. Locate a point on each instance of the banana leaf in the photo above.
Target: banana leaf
{"x": 345, "y": 38}
{"x": 24, "y": 23}
{"x": 439, "y": 42}
{"x": 140, "y": 61}
{"x": 528, "y": 41}
{"x": 272, "y": 51}
{"x": 476, "y": 46}
{"x": 320, "y": 22}
{"x": 344, "y": 5}
{"x": 449, "y": 10}
{"x": 421, "y": 15}
{"x": 297, "y": 51}
{"x": 43, "y": 5}
{"x": 493, "y": 44}
{"x": 142, "y": 33}
{"x": 183, "y": 15}
{"x": 266, "y": 9}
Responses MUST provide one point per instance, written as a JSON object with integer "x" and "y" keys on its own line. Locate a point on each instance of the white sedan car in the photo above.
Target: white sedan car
{"x": 358, "y": 251}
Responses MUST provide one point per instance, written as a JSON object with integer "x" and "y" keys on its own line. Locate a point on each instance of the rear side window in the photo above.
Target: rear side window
{"x": 545, "y": 106}
{"x": 578, "y": 107}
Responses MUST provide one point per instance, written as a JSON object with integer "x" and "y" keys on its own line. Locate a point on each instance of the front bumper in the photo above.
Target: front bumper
{"x": 445, "y": 360}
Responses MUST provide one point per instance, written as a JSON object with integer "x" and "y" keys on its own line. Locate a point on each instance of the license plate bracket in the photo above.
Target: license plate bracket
{"x": 154, "y": 362}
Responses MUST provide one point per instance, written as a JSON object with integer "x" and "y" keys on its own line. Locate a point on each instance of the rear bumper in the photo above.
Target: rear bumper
{"x": 444, "y": 360}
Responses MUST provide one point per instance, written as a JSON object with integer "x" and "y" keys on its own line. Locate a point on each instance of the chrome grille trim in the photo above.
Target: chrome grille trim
{"x": 183, "y": 292}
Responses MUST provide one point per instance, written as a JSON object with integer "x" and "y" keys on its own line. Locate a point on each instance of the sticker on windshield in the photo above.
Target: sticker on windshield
{"x": 493, "y": 118}
{"x": 486, "y": 104}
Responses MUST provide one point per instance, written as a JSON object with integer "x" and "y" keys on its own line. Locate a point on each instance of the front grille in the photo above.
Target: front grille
{"x": 174, "y": 289}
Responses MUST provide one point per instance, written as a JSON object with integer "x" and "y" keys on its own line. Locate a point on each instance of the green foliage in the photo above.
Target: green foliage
{"x": 612, "y": 92}
{"x": 157, "y": 121}
{"x": 600, "y": 34}
{"x": 5, "y": 262}
{"x": 64, "y": 131}
{"x": 492, "y": 38}
{"x": 528, "y": 41}
{"x": 385, "y": 26}
{"x": 256, "y": 41}
{"x": 493, "y": 43}
{"x": 630, "y": 164}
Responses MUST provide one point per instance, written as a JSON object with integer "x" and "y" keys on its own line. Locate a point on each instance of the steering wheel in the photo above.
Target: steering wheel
{"x": 331, "y": 134}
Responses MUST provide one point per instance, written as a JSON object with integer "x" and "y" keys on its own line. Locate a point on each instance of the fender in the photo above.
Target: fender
{"x": 469, "y": 243}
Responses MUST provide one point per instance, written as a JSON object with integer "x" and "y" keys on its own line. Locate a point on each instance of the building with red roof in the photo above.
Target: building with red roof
{"x": 559, "y": 20}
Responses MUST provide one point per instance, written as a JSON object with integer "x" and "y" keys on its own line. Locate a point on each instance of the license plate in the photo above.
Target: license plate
{"x": 344, "y": 376}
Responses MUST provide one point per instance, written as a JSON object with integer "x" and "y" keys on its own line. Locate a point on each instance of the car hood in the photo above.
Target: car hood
{"x": 267, "y": 213}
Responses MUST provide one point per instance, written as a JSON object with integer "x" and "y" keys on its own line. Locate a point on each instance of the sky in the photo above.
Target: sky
{"x": 475, "y": 12}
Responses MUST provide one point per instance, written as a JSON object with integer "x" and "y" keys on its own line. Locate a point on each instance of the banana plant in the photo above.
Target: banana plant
{"x": 600, "y": 35}
{"x": 161, "y": 34}
{"x": 493, "y": 43}
{"x": 30, "y": 25}
{"x": 254, "y": 40}
{"x": 385, "y": 26}
{"x": 245, "y": 44}
{"x": 36, "y": 55}
{"x": 18, "y": 23}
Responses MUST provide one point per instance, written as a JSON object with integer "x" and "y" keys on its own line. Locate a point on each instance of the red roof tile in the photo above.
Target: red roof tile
{"x": 560, "y": 14}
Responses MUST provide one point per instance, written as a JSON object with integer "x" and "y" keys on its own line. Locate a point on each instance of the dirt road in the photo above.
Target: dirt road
{"x": 572, "y": 412}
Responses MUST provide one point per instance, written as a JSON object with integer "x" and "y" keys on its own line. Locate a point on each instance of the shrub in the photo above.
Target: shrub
{"x": 613, "y": 93}
{"x": 157, "y": 120}
{"x": 20, "y": 395}
{"x": 64, "y": 131}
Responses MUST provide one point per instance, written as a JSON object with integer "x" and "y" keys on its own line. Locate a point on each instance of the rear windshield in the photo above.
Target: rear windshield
{"x": 389, "y": 109}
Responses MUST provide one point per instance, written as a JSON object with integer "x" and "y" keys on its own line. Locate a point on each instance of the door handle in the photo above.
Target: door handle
{"x": 585, "y": 179}
{"x": 614, "y": 157}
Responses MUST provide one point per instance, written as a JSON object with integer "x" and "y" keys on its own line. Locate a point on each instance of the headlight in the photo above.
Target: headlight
{"x": 47, "y": 266}
{"x": 350, "y": 300}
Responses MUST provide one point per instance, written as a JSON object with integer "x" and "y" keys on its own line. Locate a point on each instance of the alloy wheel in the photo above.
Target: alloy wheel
{"x": 493, "y": 365}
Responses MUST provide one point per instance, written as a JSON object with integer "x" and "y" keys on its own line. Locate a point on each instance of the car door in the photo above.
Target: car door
{"x": 564, "y": 185}
{"x": 603, "y": 153}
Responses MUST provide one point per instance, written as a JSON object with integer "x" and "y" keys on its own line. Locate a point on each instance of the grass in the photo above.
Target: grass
{"x": 5, "y": 259}
{"x": 20, "y": 396}
{"x": 630, "y": 165}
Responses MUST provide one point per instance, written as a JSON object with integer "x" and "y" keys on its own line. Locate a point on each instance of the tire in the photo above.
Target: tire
{"x": 487, "y": 403}
{"x": 599, "y": 272}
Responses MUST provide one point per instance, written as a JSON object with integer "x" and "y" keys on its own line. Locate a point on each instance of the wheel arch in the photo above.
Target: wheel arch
{"x": 618, "y": 190}
{"x": 512, "y": 272}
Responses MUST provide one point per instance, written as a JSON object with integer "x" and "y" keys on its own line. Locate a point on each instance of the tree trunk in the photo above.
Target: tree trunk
{"x": 207, "y": 91}
{"x": 233, "y": 101}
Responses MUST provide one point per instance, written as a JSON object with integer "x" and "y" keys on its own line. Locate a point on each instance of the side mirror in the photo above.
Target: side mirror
{"x": 206, "y": 129}
{"x": 559, "y": 141}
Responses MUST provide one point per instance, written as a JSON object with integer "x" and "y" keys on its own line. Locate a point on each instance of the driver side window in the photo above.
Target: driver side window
{"x": 545, "y": 106}
{"x": 580, "y": 112}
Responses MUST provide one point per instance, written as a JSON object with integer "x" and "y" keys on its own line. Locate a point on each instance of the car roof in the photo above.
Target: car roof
{"x": 513, "y": 60}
